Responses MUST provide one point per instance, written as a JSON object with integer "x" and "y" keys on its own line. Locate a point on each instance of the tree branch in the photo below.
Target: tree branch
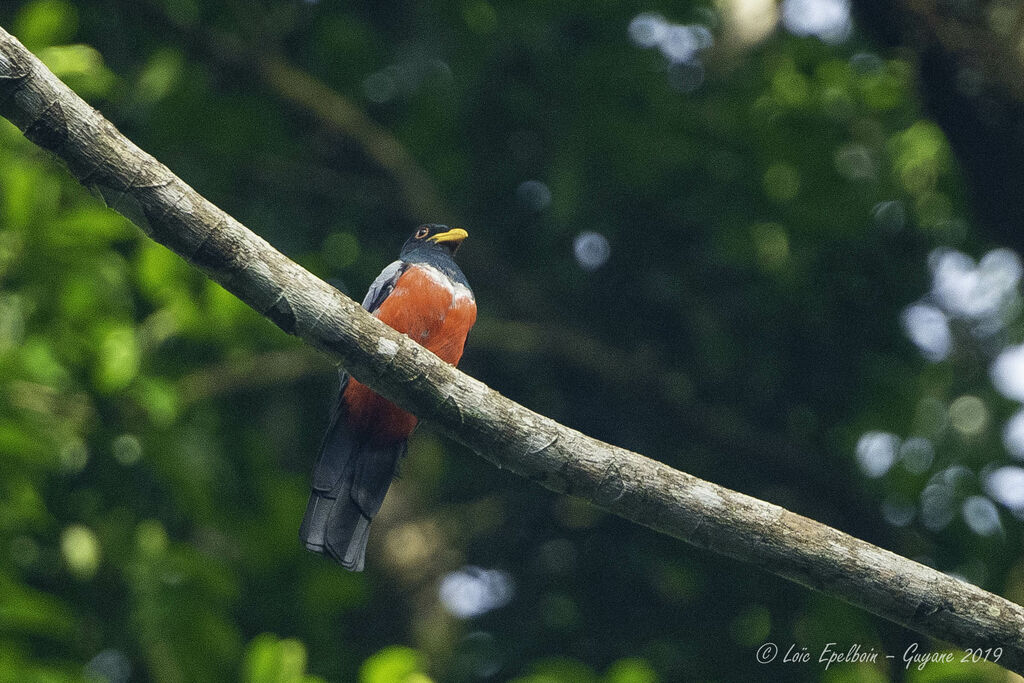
{"x": 252, "y": 372}
{"x": 312, "y": 94}
{"x": 417, "y": 192}
{"x": 505, "y": 433}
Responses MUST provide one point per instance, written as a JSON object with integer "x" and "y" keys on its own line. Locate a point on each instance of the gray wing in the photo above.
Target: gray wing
{"x": 382, "y": 286}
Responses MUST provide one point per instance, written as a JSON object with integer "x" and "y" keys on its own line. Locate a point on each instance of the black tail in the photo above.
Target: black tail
{"x": 350, "y": 481}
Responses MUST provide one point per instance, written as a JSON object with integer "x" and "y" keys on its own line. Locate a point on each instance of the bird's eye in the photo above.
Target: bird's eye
{"x": 422, "y": 232}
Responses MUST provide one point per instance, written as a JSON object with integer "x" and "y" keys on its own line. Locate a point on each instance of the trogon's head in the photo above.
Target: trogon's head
{"x": 432, "y": 237}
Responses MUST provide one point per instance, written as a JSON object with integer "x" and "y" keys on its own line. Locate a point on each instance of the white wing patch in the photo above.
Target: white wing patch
{"x": 382, "y": 286}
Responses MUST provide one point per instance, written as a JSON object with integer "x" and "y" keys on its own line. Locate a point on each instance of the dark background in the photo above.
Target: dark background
{"x": 742, "y": 239}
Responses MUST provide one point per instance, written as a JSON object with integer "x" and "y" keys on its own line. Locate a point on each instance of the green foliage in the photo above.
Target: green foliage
{"x": 558, "y": 670}
{"x": 396, "y": 663}
{"x": 269, "y": 659}
{"x": 631, "y": 670}
{"x": 45, "y": 22}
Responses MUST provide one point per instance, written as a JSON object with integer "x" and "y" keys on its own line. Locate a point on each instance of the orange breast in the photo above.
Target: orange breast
{"x": 424, "y": 308}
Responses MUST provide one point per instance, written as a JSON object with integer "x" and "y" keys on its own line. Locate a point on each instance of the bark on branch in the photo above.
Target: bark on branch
{"x": 503, "y": 432}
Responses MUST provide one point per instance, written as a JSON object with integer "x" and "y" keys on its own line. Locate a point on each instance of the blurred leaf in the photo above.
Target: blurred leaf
{"x": 630, "y": 671}
{"x": 160, "y": 75}
{"x": 856, "y": 673}
{"x": 19, "y": 186}
{"x": 30, "y": 611}
{"x": 45, "y": 22}
{"x": 159, "y": 398}
{"x": 80, "y": 66}
{"x": 97, "y": 225}
{"x": 562, "y": 670}
{"x": 81, "y": 550}
{"x": 270, "y": 660}
{"x": 394, "y": 664}
{"x": 118, "y": 358}
{"x": 40, "y": 363}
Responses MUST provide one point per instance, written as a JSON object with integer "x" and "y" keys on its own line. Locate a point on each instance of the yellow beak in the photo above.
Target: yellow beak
{"x": 454, "y": 235}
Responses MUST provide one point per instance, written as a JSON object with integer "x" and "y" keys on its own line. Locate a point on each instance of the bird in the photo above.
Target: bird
{"x": 426, "y": 296}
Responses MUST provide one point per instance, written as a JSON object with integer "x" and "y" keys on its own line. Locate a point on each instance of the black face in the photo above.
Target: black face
{"x": 435, "y": 236}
